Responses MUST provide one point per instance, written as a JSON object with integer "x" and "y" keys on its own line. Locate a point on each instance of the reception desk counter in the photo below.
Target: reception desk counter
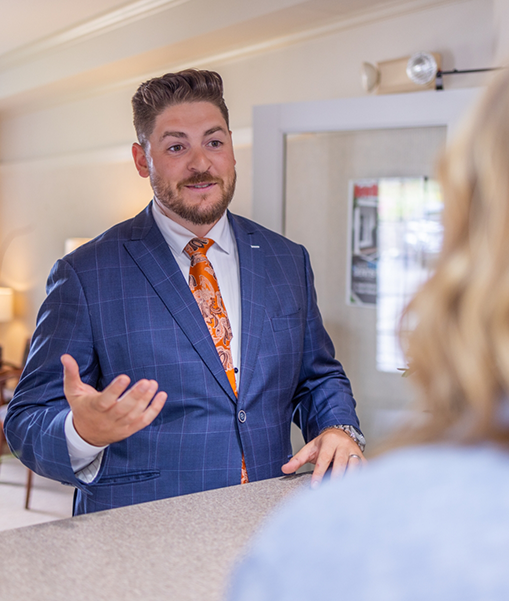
{"x": 176, "y": 549}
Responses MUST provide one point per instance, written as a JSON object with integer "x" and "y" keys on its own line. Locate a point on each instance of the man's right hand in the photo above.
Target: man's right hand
{"x": 101, "y": 418}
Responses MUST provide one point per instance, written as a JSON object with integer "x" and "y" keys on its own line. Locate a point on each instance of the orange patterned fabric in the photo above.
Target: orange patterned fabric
{"x": 205, "y": 289}
{"x": 243, "y": 472}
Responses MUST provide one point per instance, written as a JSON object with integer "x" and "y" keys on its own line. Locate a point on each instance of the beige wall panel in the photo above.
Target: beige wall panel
{"x": 49, "y": 201}
{"x": 501, "y": 12}
{"x": 86, "y": 124}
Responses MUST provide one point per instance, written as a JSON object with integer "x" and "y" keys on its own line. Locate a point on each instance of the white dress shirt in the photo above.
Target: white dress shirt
{"x": 223, "y": 255}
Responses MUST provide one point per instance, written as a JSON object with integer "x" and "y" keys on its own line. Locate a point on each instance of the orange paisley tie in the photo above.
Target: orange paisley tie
{"x": 205, "y": 289}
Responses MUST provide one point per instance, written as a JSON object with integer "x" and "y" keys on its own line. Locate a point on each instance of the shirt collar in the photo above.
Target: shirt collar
{"x": 177, "y": 236}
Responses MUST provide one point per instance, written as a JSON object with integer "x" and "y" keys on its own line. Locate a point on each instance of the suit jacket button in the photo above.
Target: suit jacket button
{"x": 242, "y": 416}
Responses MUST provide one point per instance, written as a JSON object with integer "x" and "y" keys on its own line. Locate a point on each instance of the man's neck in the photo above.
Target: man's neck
{"x": 198, "y": 230}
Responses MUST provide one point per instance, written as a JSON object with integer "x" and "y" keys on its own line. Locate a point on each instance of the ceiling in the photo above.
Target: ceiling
{"x": 56, "y": 48}
{"x": 25, "y": 21}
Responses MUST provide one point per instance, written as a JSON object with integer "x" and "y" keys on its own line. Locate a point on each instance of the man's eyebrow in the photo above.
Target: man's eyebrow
{"x": 172, "y": 134}
{"x": 214, "y": 129}
{"x": 181, "y": 134}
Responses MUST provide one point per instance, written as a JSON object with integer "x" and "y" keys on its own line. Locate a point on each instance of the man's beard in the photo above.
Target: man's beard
{"x": 195, "y": 214}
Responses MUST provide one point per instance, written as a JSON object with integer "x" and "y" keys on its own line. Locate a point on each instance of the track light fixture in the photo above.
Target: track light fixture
{"x": 420, "y": 71}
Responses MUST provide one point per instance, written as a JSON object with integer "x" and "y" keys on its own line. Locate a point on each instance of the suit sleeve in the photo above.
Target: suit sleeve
{"x": 324, "y": 395}
{"x": 34, "y": 424}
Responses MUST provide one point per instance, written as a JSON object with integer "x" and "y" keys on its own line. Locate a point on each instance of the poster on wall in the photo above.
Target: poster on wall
{"x": 362, "y": 280}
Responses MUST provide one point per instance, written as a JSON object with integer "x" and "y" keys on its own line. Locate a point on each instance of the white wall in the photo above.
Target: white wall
{"x": 501, "y": 20}
{"x": 65, "y": 169}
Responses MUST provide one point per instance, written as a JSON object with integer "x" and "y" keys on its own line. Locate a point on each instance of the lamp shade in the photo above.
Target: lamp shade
{"x": 6, "y": 302}
{"x": 73, "y": 243}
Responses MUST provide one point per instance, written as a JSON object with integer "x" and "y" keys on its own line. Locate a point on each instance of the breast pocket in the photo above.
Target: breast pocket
{"x": 286, "y": 322}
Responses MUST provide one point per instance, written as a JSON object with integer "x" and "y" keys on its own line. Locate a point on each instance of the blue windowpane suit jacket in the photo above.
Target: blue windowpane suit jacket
{"x": 120, "y": 305}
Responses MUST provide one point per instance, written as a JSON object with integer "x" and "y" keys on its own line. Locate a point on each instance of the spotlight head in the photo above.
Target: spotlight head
{"x": 422, "y": 68}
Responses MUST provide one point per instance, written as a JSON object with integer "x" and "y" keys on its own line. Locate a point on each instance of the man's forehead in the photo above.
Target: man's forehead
{"x": 191, "y": 114}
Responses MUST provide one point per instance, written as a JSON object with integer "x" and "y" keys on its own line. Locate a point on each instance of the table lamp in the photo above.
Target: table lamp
{"x": 6, "y": 312}
{"x": 73, "y": 243}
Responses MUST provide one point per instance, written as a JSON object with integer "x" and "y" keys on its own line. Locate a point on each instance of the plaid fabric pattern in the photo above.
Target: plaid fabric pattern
{"x": 120, "y": 304}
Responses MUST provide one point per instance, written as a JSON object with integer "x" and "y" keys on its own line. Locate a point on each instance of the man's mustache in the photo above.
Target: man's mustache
{"x": 199, "y": 178}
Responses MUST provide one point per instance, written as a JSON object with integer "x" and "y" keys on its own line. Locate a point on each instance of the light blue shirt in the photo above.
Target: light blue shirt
{"x": 418, "y": 524}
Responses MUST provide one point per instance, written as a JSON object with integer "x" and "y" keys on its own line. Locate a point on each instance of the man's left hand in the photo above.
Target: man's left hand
{"x": 332, "y": 447}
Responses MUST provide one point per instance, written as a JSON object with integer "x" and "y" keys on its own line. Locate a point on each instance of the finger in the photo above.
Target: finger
{"x": 305, "y": 455}
{"x": 135, "y": 421}
{"x": 142, "y": 390}
{"x": 153, "y": 410}
{"x": 136, "y": 400}
{"x": 72, "y": 380}
{"x": 354, "y": 462}
{"x": 340, "y": 464}
{"x": 323, "y": 461}
{"x": 74, "y": 386}
{"x": 291, "y": 466}
{"x": 107, "y": 399}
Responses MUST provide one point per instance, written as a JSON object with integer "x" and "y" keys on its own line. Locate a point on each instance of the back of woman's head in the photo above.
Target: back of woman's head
{"x": 459, "y": 347}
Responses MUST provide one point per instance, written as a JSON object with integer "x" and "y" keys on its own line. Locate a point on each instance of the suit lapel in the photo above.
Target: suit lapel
{"x": 151, "y": 253}
{"x": 252, "y": 290}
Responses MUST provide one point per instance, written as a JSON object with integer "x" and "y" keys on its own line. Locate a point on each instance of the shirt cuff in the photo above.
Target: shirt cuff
{"x": 85, "y": 458}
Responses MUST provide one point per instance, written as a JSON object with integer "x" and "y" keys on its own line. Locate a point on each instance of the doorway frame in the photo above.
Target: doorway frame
{"x": 273, "y": 122}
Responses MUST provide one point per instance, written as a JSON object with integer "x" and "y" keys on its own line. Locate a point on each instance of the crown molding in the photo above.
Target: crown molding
{"x": 129, "y": 13}
{"x": 140, "y": 9}
{"x": 392, "y": 9}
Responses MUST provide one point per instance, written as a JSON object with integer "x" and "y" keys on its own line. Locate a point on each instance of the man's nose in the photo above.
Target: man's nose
{"x": 199, "y": 161}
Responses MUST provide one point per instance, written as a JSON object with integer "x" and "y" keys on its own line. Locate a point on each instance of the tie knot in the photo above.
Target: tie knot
{"x": 197, "y": 247}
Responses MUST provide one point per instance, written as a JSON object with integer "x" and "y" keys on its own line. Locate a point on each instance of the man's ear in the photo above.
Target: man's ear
{"x": 140, "y": 160}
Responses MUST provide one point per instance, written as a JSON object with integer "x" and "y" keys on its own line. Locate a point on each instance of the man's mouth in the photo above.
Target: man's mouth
{"x": 200, "y": 182}
{"x": 201, "y": 186}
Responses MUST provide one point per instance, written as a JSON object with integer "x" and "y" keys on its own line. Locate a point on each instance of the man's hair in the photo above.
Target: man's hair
{"x": 155, "y": 95}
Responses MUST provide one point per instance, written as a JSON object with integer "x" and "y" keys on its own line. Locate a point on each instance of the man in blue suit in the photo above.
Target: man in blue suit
{"x": 119, "y": 310}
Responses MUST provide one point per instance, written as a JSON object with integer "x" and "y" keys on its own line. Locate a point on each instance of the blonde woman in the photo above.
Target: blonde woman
{"x": 428, "y": 520}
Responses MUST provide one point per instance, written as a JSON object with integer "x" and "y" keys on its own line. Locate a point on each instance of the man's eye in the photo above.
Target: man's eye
{"x": 215, "y": 143}
{"x": 176, "y": 148}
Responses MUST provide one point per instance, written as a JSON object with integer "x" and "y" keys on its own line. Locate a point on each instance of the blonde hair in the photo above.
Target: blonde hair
{"x": 459, "y": 348}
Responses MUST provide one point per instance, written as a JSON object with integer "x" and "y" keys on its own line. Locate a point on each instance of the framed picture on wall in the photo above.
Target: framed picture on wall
{"x": 363, "y": 255}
